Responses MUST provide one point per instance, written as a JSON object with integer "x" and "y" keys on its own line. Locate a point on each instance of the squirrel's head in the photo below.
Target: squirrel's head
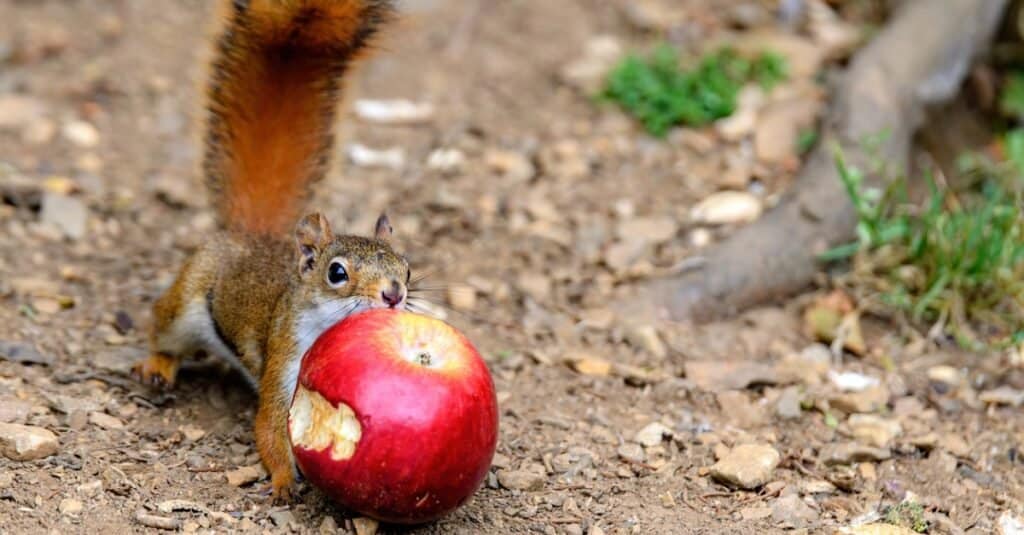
{"x": 362, "y": 272}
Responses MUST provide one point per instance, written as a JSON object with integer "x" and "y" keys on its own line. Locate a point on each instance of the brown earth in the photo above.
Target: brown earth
{"x": 531, "y": 265}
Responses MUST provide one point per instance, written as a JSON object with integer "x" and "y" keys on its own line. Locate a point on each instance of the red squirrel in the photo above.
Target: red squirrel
{"x": 262, "y": 289}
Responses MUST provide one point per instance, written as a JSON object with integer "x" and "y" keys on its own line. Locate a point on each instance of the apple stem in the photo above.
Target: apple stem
{"x": 424, "y": 359}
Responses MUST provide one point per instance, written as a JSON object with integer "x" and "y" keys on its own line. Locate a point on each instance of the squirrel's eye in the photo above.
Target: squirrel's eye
{"x": 336, "y": 274}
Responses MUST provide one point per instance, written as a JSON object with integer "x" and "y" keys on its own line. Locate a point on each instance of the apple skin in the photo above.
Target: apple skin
{"x": 428, "y": 434}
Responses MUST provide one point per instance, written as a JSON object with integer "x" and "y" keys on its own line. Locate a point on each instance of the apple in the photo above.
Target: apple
{"x": 394, "y": 416}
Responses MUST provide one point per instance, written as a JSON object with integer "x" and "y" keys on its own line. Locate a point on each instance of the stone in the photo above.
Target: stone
{"x": 68, "y": 404}
{"x": 448, "y": 161}
{"x": 530, "y": 478}
{"x": 394, "y": 112}
{"x": 365, "y": 526}
{"x": 511, "y": 165}
{"x": 245, "y": 475}
{"x": 1010, "y": 524}
{"x": 873, "y": 430}
{"x": 192, "y": 433}
{"x": 81, "y": 134}
{"x": 19, "y": 352}
{"x": 282, "y": 518}
{"x": 70, "y": 507}
{"x": 652, "y": 434}
{"x": 743, "y": 121}
{"x": 631, "y": 452}
{"x": 462, "y": 298}
{"x": 14, "y": 410}
{"x": 787, "y": 407}
{"x": 26, "y": 442}
{"x": 68, "y": 214}
{"x": 727, "y": 208}
{"x": 740, "y": 411}
{"x": 534, "y": 285}
{"x": 594, "y": 366}
{"x": 19, "y": 111}
{"x": 946, "y": 375}
{"x": 792, "y": 512}
{"x": 870, "y": 400}
{"x": 1003, "y": 395}
{"x": 363, "y": 156}
{"x": 779, "y": 125}
{"x": 803, "y": 57}
{"x": 106, "y": 421}
{"x": 714, "y": 376}
{"x": 747, "y": 466}
{"x": 646, "y": 337}
{"x": 877, "y": 528}
{"x": 852, "y": 452}
{"x": 588, "y": 73}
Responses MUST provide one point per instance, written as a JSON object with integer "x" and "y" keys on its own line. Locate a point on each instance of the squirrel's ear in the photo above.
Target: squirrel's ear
{"x": 382, "y": 230}
{"x": 312, "y": 236}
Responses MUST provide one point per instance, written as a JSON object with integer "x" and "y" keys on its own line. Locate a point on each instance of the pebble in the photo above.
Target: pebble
{"x": 395, "y": 112}
{"x": 631, "y": 452}
{"x": 788, "y": 405}
{"x": 20, "y": 352}
{"x": 1010, "y": 524}
{"x": 727, "y": 207}
{"x": 588, "y": 72}
{"x": 70, "y": 506}
{"x": 946, "y": 375}
{"x": 779, "y": 126}
{"x": 1003, "y": 395}
{"x": 743, "y": 121}
{"x": 448, "y": 161}
{"x": 245, "y": 475}
{"x": 26, "y": 443}
{"x": 14, "y": 410}
{"x": 873, "y": 430}
{"x": 19, "y": 111}
{"x": 461, "y": 298}
{"x": 39, "y": 132}
{"x": 363, "y": 156}
{"x": 192, "y": 433}
{"x": 877, "y": 528}
{"x": 717, "y": 375}
{"x": 747, "y": 466}
{"x": 652, "y": 434}
{"x": 535, "y": 285}
{"x": 849, "y": 453}
{"x": 531, "y": 477}
{"x": 68, "y": 404}
{"x": 106, "y": 421}
{"x": 792, "y": 512}
{"x": 283, "y": 518}
{"x": 871, "y": 400}
{"x": 512, "y": 166}
{"x": 81, "y": 134}
{"x": 365, "y": 526}
{"x": 646, "y": 337}
{"x": 68, "y": 214}
{"x": 328, "y": 526}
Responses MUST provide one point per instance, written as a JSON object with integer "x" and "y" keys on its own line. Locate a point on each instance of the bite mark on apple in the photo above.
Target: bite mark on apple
{"x": 315, "y": 424}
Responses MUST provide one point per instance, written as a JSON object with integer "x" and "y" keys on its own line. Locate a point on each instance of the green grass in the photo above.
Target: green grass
{"x": 1011, "y": 98}
{"x": 956, "y": 259}
{"x": 907, "y": 514}
{"x": 661, "y": 93}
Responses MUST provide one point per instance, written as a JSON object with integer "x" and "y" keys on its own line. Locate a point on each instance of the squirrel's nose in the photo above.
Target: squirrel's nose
{"x": 394, "y": 295}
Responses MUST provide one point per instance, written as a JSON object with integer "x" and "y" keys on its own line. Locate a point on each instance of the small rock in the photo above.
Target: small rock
{"x": 955, "y": 444}
{"x": 631, "y": 452}
{"x": 282, "y": 519}
{"x": 328, "y": 526}
{"x": 646, "y": 337}
{"x": 715, "y": 376}
{"x": 588, "y": 73}
{"x": 793, "y": 512}
{"x": 512, "y": 166}
{"x": 852, "y": 453}
{"x": 81, "y": 134}
{"x": 1003, "y": 395}
{"x": 68, "y": 214}
{"x": 852, "y": 381}
{"x": 870, "y": 400}
{"x": 26, "y": 443}
{"x": 747, "y": 466}
{"x": 192, "y": 433}
{"x": 873, "y": 430}
{"x": 743, "y": 121}
{"x": 740, "y": 411}
{"x": 652, "y": 434}
{"x": 20, "y": 352}
{"x": 394, "y": 112}
{"x": 245, "y": 475}
{"x": 836, "y": 37}
{"x": 448, "y": 161}
{"x": 817, "y": 486}
{"x": 756, "y": 512}
{"x": 727, "y": 207}
{"x": 68, "y": 404}
{"x": 14, "y": 410}
{"x": 788, "y": 405}
{"x": 779, "y": 126}
{"x": 621, "y": 256}
{"x": 363, "y": 156}
{"x": 654, "y": 15}
{"x": 1010, "y": 524}
{"x": 70, "y": 507}
{"x": 946, "y": 375}
{"x": 877, "y": 529}
{"x": 803, "y": 57}
{"x": 19, "y": 111}
{"x": 365, "y": 526}
{"x": 530, "y": 478}
{"x": 39, "y": 132}
{"x": 106, "y": 421}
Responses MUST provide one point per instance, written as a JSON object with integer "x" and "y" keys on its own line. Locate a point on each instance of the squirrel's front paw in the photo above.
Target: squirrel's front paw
{"x": 158, "y": 370}
{"x": 281, "y": 488}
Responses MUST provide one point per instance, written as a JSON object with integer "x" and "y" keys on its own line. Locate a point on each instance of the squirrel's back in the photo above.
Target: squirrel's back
{"x": 272, "y": 97}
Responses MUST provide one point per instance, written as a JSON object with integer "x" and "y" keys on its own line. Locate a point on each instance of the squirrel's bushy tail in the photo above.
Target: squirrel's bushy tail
{"x": 271, "y": 103}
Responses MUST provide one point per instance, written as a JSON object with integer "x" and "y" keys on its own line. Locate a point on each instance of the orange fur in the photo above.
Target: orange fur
{"x": 272, "y": 101}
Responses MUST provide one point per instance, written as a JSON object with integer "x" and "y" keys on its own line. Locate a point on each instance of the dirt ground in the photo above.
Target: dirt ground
{"x": 523, "y": 244}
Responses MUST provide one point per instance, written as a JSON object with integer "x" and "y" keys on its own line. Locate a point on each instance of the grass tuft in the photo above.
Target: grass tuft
{"x": 661, "y": 93}
{"x": 955, "y": 260}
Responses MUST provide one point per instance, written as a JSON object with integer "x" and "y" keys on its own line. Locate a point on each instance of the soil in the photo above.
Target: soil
{"x": 523, "y": 265}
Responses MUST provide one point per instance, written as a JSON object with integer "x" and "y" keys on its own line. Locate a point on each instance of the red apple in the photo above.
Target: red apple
{"x": 394, "y": 416}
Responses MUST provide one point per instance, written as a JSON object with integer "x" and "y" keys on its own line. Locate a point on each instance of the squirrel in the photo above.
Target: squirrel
{"x": 259, "y": 292}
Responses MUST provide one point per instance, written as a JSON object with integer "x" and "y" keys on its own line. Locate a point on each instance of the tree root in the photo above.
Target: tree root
{"x": 918, "y": 60}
